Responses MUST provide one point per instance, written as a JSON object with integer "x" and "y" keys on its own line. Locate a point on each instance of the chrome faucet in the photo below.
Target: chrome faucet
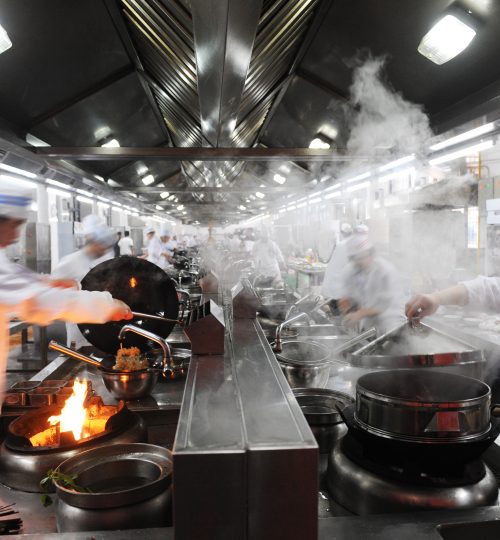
{"x": 279, "y": 328}
{"x": 167, "y": 362}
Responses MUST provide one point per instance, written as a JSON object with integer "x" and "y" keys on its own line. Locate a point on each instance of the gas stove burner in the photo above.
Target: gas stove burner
{"x": 24, "y": 461}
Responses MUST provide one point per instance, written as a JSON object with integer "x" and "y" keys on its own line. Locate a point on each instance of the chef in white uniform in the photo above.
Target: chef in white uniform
{"x": 332, "y": 283}
{"x": 372, "y": 292}
{"x": 167, "y": 247}
{"x": 35, "y": 298}
{"x": 99, "y": 240}
{"x": 153, "y": 247}
{"x": 268, "y": 258}
{"x": 482, "y": 292}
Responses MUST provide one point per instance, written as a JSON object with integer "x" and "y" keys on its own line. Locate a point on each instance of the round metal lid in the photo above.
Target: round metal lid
{"x": 321, "y": 405}
{"x": 303, "y": 353}
{"x": 143, "y": 286}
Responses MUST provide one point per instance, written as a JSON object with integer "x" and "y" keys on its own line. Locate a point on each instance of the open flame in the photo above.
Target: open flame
{"x": 73, "y": 414}
{"x": 133, "y": 282}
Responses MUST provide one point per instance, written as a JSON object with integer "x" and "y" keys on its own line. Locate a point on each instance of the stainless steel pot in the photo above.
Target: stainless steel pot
{"x": 130, "y": 487}
{"x": 423, "y": 406}
{"x": 305, "y": 364}
{"x": 320, "y": 407}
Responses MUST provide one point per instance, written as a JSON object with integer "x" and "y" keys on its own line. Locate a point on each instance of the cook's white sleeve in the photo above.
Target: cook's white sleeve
{"x": 32, "y": 300}
{"x": 484, "y": 292}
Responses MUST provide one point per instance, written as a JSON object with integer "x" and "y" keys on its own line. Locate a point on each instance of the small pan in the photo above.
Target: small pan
{"x": 126, "y": 385}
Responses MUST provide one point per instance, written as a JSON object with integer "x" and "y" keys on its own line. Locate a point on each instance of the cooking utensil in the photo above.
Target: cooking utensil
{"x": 144, "y": 287}
{"x": 305, "y": 364}
{"x": 126, "y": 385}
{"x": 423, "y": 406}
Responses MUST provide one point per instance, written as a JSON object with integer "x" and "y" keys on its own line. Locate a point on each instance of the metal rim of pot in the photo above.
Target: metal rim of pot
{"x": 156, "y": 457}
{"x": 456, "y": 418}
{"x": 329, "y": 400}
{"x": 322, "y": 359}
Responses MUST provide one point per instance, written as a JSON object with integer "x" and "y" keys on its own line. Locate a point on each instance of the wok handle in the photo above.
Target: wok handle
{"x": 138, "y": 315}
{"x": 53, "y": 345}
{"x": 495, "y": 410}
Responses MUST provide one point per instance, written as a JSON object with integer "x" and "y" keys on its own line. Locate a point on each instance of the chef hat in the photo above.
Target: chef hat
{"x": 346, "y": 228}
{"x": 359, "y": 244}
{"x": 102, "y": 235}
{"x": 14, "y": 203}
{"x": 92, "y": 223}
{"x": 148, "y": 230}
{"x": 361, "y": 228}
{"x": 165, "y": 231}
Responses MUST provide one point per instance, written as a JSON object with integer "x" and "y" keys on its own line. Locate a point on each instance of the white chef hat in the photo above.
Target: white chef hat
{"x": 165, "y": 231}
{"x": 346, "y": 228}
{"x": 359, "y": 244}
{"x": 102, "y": 235}
{"x": 14, "y": 203}
{"x": 148, "y": 230}
{"x": 91, "y": 223}
{"x": 361, "y": 228}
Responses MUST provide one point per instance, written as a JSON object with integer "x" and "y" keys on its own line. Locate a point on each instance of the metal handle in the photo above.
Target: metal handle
{"x": 139, "y": 315}
{"x": 355, "y": 340}
{"x": 495, "y": 411}
{"x": 279, "y": 328}
{"x": 53, "y": 345}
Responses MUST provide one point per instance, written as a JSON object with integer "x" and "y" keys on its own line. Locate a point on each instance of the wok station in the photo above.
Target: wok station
{"x": 257, "y": 414}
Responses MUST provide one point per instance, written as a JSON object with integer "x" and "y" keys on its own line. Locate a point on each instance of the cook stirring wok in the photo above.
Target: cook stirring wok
{"x": 34, "y": 298}
{"x": 372, "y": 293}
{"x": 482, "y": 292}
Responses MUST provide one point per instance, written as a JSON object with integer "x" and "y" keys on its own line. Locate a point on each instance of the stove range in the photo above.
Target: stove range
{"x": 367, "y": 475}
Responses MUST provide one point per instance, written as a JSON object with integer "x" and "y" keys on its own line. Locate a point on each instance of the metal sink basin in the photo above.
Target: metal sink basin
{"x": 485, "y": 530}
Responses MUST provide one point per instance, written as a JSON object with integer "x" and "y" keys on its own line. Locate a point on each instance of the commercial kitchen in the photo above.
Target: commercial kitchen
{"x": 276, "y": 225}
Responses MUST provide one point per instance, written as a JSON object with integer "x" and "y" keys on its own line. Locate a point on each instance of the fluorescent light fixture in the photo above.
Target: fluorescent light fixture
{"x": 241, "y": 207}
{"x": 301, "y": 205}
{"x": 5, "y": 42}
{"x": 103, "y": 199}
{"x": 320, "y": 141}
{"x": 118, "y": 204}
{"x": 100, "y": 178}
{"x": 58, "y": 192}
{"x": 356, "y": 178}
{"x": 83, "y": 199}
{"x": 279, "y": 179}
{"x": 324, "y": 178}
{"x": 35, "y": 141}
{"x": 397, "y": 163}
{"x": 332, "y": 195}
{"x": 17, "y": 181}
{"x": 85, "y": 193}
{"x": 15, "y": 170}
{"x": 109, "y": 142}
{"x": 336, "y": 186}
{"x": 397, "y": 174}
{"x": 171, "y": 197}
{"x": 34, "y": 206}
{"x": 476, "y": 132}
{"x": 58, "y": 184}
{"x": 447, "y": 38}
{"x": 180, "y": 207}
{"x": 116, "y": 209}
{"x": 148, "y": 179}
{"x": 184, "y": 213}
{"x": 164, "y": 194}
{"x": 158, "y": 207}
{"x": 102, "y": 204}
{"x": 284, "y": 168}
{"x": 462, "y": 153}
{"x": 259, "y": 195}
{"x": 316, "y": 200}
{"x": 357, "y": 187}
{"x": 302, "y": 199}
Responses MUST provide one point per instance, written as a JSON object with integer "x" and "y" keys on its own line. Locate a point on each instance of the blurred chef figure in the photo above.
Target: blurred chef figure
{"x": 99, "y": 241}
{"x": 332, "y": 283}
{"x": 153, "y": 250}
{"x": 268, "y": 259}
{"x": 167, "y": 247}
{"x": 234, "y": 243}
{"x": 35, "y": 298}
{"x": 372, "y": 292}
{"x": 126, "y": 244}
{"x": 482, "y": 292}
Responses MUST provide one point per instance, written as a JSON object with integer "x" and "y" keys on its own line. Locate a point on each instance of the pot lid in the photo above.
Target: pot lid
{"x": 143, "y": 286}
{"x": 321, "y": 405}
{"x": 303, "y": 353}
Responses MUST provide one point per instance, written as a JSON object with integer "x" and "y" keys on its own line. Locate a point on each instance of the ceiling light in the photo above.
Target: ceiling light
{"x": 285, "y": 168}
{"x": 180, "y": 207}
{"x": 481, "y": 130}
{"x": 332, "y": 195}
{"x": 184, "y": 213}
{"x": 35, "y": 141}
{"x": 103, "y": 199}
{"x": 357, "y": 187}
{"x": 171, "y": 197}
{"x": 17, "y": 181}
{"x": 316, "y": 200}
{"x": 109, "y": 142}
{"x": 301, "y": 205}
{"x": 158, "y": 207}
{"x": 59, "y": 184}
{"x": 85, "y": 193}
{"x": 259, "y": 194}
{"x": 102, "y": 204}
{"x": 148, "y": 179}
{"x": 16, "y": 170}
{"x": 279, "y": 179}
{"x": 34, "y": 206}
{"x": 397, "y": 163}
{"x": 58, "y": 192}
{"x": 100, "y": 178}
{"x": 84, "y": 199}
{"x": 5, "y": 42}
{"x": 462, "y": 153}
{"x": 320, "y": 141}
{"x": 241, "y": 207}
{"x": 112, "y": 183}
{"x": 281, "y": 210}
{"x": 447, "y": 38}
{"x": 164, "y": 194}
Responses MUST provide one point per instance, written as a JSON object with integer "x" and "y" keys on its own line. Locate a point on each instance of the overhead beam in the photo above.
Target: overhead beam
{"x": 193, "y": 154}
{"x": 193, "y": 189}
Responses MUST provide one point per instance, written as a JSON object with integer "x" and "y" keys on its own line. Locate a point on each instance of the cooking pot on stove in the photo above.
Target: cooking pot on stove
{"x": 424, "y": 406}
{"x": 129, "y": 487}
{"x": 304, "y": 363}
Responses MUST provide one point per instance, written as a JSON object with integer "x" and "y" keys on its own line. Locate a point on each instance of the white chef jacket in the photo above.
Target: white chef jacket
{"x": 484, "y": 292}
{"x": 126, "y": 243}
{"x": 380, "y": 288}
{"x": 168, "y": 249}
{"x": 154, "y": 248}
{"x": 332, "y": 282}
{"x": 76, "y": 266}
{"x": 24, "y": 294}
{"x": 268, "y": 257}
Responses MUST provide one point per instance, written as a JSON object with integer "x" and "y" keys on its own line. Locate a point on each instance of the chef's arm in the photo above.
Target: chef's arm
{"x": 426, "y": 304}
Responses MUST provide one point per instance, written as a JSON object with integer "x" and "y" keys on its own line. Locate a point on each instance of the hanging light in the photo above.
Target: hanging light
{"x": 5, "y": 42}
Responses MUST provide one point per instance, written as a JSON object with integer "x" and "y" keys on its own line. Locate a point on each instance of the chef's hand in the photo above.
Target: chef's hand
{"x": 344, "y": 305}
{"x": 353, "y": 318}
{"x": 63, "y": 283}
{"x": 420, "y": 306}
{"x": 120, "y": 311}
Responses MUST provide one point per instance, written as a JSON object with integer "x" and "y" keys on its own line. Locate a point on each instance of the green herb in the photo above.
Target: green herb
{"x": 64, "y": 480}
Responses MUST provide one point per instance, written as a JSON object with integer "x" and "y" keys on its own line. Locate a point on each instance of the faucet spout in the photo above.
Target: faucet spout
{"x": 279, "y": 328}
{"x": 167, "y": 362}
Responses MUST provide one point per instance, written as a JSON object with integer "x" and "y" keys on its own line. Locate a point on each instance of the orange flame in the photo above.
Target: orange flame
{"x": 73, "y": 414}
{"x": 133, "y": 282}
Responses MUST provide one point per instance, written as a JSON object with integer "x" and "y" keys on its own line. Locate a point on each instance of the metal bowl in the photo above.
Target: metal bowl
{"x": 131, "y": 384}
{"x": 305, "y": 364}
